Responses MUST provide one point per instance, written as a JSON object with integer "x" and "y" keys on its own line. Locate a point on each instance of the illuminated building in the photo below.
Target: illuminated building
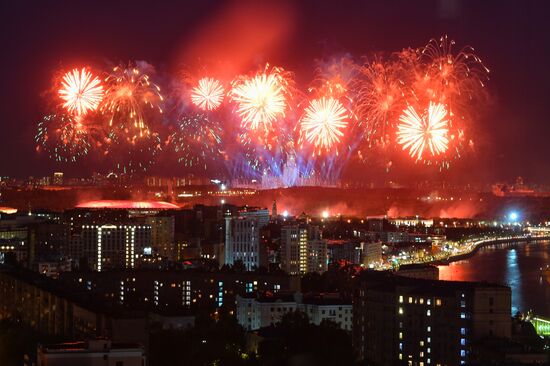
{"x": 303, "y": 250}
{"x": 162, "y": 235}
{"x": 258, "y": 311}
{"x": 115, "y": 246}
{"x": 412, "y": 221}
{"x": 91, "y": 352}
{"x": 176, "y": 290}
{"x": 242, "y": 239}
{"x": 255, "y": 312}
{"x": 347, "y": 251}
{"x": 372, "y": 253}
{"x": 400, "y": 320}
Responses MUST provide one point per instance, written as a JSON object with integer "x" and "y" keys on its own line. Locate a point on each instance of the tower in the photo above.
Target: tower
{"x": 274, "y": 210}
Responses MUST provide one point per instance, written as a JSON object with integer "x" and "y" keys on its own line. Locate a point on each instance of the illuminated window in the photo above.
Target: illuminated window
{"x": 410, "y": 300}
{"x": 438, "y": 302}
{"x": 429, "y": 339}
{"x": 421, "y": 300}
{"x": 400, "y": 310}
{"x": 462, "y": 316}
{"x": 401, "y": 299}
{"x": 428, "y": 312}
{"x": 429, "y": 329}
{"x": 400, "y": 356}
{"x": 421, "y": 343}
{"x": 429, "y": 301}
{"x": 462, "y": 341}
{"x": 463, "y": 331}
{"x": 429, "y": 350}
{"x": 400, "y": 335}
{"x": 462, "y": 353}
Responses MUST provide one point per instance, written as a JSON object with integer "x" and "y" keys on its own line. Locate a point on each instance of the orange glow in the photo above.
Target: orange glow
{"x": 8, "y": 210}
{"x": 126, "y": 204}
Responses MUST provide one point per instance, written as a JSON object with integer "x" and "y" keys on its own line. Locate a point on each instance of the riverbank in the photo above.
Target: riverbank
{"x": 485, "y": 243}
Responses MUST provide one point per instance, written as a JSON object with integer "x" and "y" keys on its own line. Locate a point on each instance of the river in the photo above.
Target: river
{"x": 516, "y": 265}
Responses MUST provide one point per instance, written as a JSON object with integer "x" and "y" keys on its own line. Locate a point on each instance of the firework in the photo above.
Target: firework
{"x": 379, "y": 99}
{"x": 261, "y": 99}
{"x": 81, "y": 91}
{"x": 460, "y": 73}
{"x": 196, "y": 140}
{"x": 208, "y": 94}
{"x": 426, "y": 133}
{"x": 62, "y": 138}
{"x": 134, "y": 157}
{"x": 129, "y": 95}
{"x": 323, "y": 122}
{"x": 335, "y": 77}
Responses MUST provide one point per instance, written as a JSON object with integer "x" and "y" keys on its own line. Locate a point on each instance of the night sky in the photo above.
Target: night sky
{"x": 512, "y": 37}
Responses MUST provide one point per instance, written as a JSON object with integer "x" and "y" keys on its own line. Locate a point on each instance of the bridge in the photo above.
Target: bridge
{"x": 542, "y": 326}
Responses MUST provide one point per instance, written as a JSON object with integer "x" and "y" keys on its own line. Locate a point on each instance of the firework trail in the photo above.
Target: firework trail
{"x": 196, "y": 141}
{"x": 129, "y": 98}
{"x": 62, "y": 138}
{"x": 132, "y": 158}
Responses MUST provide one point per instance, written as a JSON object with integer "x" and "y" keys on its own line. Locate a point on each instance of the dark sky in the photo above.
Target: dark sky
{"x": 512, "y": 37}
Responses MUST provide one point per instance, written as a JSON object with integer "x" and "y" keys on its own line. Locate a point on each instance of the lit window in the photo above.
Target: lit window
{"x": 429, "y": 350}
{"x": 400, "y": 335}
{"x": 429, "y": 301}
{"x": 462, "y": 341}
{"x": 438, "y": 302}
{"x": 410, "y": 300}
{"x": 401, "y": 311}
{"x": 463, "y": 331}
{"x": 400, "y": 356}
{"x": 429, "y": 339}
{"x": 429, "y": 329}
{"x": 462, "y": 316}
{"x": 421, "y": 301}
{"x": 428, "y": 312}
{"x": 462, "y": 353}
{"x": 421, "y": 343}
{"x": 401, "y": 299}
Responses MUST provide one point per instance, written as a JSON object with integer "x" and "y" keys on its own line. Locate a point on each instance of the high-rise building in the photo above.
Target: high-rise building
{"x": 303, "y": 249}
{"x": 242, "y": 239}
{"x": 274, "y": 210}
{"x": 115, "y": 246}
{"x": 372, "y": 253}
{"x": 162, "y": 235}
{"x": 410, "y": 321}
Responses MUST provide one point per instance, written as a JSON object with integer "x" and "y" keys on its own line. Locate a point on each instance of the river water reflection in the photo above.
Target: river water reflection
{"x": 516, "y": 265}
